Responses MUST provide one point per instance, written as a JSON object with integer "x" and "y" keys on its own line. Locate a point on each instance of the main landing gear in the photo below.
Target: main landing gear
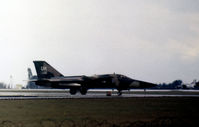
{"x": 73, "y": 91}
{"x": 82, "y": 90}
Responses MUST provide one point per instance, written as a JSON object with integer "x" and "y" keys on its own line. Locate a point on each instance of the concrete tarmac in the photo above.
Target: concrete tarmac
{"x": 64, "y": 94}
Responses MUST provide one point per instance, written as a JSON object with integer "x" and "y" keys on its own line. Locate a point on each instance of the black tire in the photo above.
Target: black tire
{"x": 83, "y": 90}
{"x": 73, "y": 91}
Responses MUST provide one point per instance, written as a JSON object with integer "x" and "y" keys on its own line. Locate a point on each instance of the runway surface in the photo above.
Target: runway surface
{"x": 64, "y": 94}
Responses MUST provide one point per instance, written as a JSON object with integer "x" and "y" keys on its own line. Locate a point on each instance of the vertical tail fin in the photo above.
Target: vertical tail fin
{"x": 44, "y": 70}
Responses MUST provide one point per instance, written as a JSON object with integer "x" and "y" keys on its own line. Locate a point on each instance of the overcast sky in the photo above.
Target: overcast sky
{"x": 150, "y": 40}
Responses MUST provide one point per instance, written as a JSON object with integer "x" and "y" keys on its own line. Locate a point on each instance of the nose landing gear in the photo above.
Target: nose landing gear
{"x": 119, "y": 93}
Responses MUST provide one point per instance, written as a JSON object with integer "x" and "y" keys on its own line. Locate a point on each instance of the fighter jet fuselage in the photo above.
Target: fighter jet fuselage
{"x": 48, "y": 76}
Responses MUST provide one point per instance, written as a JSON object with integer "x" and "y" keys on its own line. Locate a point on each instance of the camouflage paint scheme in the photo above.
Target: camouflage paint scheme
{"x": 50, "y": 77}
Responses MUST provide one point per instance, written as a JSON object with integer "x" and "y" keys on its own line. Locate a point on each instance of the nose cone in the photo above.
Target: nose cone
{"x": 141, "y": 84}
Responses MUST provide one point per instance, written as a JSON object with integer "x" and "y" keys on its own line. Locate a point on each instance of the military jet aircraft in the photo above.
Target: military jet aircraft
{"x": 50, "y": 77}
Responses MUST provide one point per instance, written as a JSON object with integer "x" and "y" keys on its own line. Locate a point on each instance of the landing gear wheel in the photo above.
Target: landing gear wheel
{"x": 73, "y": 91}
{"x": 119, "y": 93}
{"x": 83, "y": 90}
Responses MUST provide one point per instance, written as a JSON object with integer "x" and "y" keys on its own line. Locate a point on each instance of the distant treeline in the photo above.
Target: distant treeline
{"x": 177, "y": 84}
